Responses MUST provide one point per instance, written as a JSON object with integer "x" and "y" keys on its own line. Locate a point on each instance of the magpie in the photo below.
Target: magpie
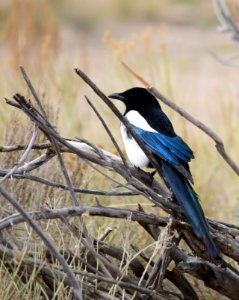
{"x": 172, "y": 154}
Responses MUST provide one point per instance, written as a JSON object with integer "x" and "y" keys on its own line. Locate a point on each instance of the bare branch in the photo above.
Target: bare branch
{"x": 31, "y": 88}
{"x": 227, "y": 20}
{"x": 76, "y": 190}
{"x": 29, "y": 166}
{"x": 92, "y": 211}
{"x": 109, "y": 133}
{"x": 20, "y": 147}
{"x": 23, "y": 157}
{"x": 221, "y": 279}
{"x": 65, "y": 172}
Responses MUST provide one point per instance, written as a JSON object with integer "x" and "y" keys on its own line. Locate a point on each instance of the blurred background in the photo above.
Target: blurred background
{"x": 173, "y": 44}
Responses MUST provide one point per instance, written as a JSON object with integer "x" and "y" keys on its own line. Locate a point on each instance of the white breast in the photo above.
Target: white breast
{"x": 133, "y": 150}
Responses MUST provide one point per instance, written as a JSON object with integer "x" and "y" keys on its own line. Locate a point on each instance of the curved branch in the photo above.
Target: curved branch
{"x": 102, "y": 211}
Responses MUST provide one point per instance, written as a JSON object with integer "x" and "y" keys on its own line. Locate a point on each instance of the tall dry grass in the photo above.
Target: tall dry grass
{"x": 184, "y": 71}
{"x": 31, "y": 33}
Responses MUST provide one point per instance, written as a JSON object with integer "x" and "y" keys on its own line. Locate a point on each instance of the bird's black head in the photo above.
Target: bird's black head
{"x": 136, "y": 99}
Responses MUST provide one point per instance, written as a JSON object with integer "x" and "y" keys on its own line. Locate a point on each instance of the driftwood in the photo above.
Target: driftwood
{"x": 101, "y": 265}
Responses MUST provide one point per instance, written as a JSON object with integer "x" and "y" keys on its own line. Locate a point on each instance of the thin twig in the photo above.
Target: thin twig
{"x": 65, "y": 172}
{"x": 109, "y": 133}
{"x": 23, "y": 157}
{"x": 226, "y": 18}
{"x": 76, "y": 190}
{"x": 20, "y": 147}
{"x": 56, "y": 146}
{"x": 104, "y": 235}
{"x": 33, "y": 91}
{"x": 111, "y": 178}
{"x": 29, "y": 166}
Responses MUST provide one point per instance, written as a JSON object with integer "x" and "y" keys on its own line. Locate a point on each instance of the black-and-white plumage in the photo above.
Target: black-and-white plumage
{"x": 134, "y": 152}
{"x": 154, "y": 128}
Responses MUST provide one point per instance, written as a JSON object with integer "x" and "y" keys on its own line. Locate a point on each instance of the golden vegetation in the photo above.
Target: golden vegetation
{"x": 32, "y": 33}
{"x": 34, "y": 38}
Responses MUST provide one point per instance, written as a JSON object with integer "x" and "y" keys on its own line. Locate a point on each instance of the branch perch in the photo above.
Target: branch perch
{"x": 98, "y": 260}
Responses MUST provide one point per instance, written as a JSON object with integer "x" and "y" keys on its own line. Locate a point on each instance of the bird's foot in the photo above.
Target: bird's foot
{"x": 152, "y": 173}
{"x": 148, "y": 177}
{"x": 151, "y": 176}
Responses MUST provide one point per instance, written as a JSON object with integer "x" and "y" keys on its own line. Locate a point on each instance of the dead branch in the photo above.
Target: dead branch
{"x": 23, "y": 158}
{"x": 87, "y": 241}
{"x": 99, "y": 261}
{"x": 228, "y": 21}
{"x": 19, "y": 147}
{"x": 108, "y": 132}
{"x": 110, "y": 212}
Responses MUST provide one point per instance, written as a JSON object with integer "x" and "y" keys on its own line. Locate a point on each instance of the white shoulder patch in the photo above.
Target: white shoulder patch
{"x": 136, "y": 119}
{"x": 134, "y": 152}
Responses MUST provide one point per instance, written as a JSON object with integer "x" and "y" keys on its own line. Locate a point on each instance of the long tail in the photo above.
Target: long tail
{"x": 188, "y": 200}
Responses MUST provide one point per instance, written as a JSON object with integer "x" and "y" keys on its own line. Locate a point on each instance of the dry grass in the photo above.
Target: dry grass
{"x": 174, "y": 59}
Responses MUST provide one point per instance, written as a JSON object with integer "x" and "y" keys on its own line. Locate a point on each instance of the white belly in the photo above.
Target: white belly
{"x": 134, "y": 152}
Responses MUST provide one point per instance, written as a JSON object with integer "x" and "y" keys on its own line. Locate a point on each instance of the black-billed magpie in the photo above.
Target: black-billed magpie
{"x": 152, "y": 125}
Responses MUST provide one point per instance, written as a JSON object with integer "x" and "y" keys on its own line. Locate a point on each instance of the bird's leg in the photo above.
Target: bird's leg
{"x": 150, "y": 175}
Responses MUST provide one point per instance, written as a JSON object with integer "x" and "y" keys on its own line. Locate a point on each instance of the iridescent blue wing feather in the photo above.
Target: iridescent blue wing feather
{"x": 171, "y": 149}
{"x": 175, "y": 155}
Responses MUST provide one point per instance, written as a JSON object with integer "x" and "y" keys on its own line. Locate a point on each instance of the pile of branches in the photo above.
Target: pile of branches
{"x": 99, "y": 269}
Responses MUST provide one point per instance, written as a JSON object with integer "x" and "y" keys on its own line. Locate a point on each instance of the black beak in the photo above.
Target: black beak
{"x": 117, "y": 96}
